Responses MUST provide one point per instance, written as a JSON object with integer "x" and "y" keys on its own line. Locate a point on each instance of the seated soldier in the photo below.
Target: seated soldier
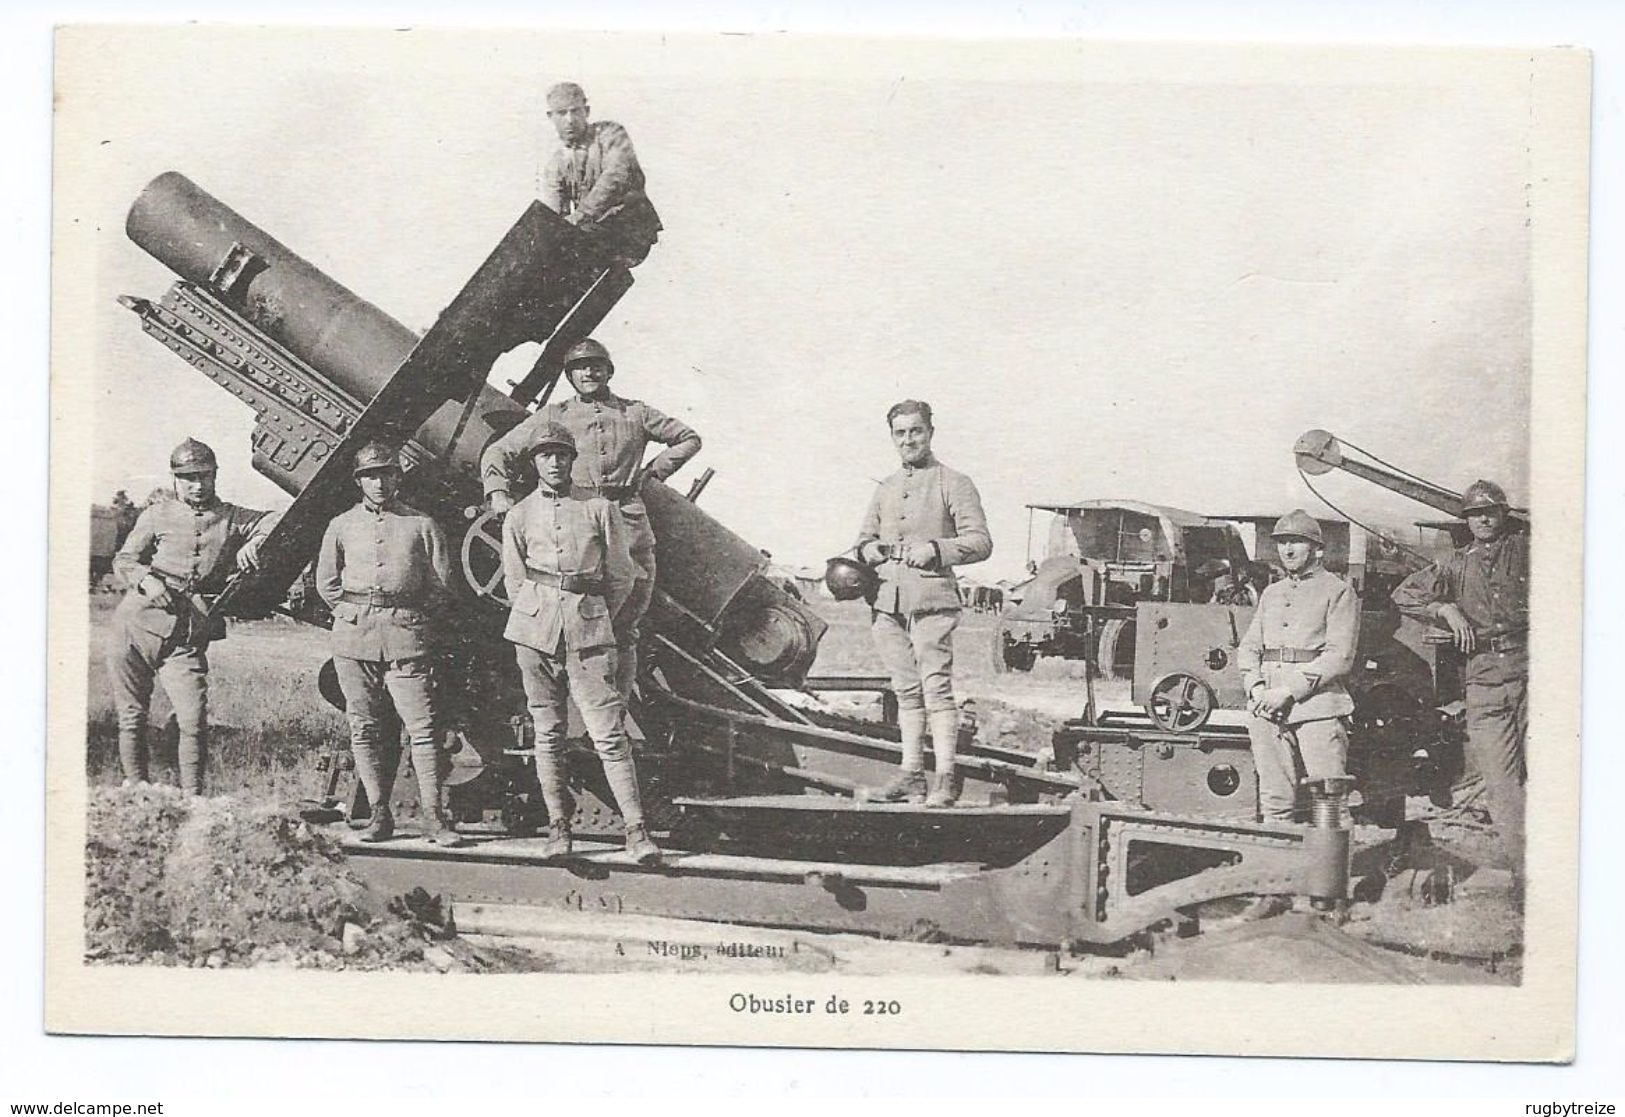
{"x": 594, "y": 182}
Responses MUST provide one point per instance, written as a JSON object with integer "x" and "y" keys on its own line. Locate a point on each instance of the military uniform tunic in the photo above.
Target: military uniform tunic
{"x": 193, "y": 551}
{"x": 1304, "y": 637}
{"x": 612, "y": 435}
{"x": 1489, "y": 582}
{"x": 600, "y": 182}
{"x": 569, "y": 573}
{"x": 916, "y": 610}
{"x": 385, "y": 571}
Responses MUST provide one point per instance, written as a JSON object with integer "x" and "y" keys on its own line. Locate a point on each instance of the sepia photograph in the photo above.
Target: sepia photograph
{"x": 817, "y": 532}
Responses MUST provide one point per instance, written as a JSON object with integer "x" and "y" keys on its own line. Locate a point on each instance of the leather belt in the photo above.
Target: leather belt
{"x": 374, "y": 597}
{"x": 1505, "y": 642}
{"x": 1291, "y": 655}
{"x": 569, "y": 583}
{"x": 618, "y": 493}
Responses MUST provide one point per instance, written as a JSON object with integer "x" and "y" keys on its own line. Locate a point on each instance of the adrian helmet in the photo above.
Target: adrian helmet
{"x": 587, "y": 351}
{"x": 552, "y": 436}
{"x": 191, "y": 458}
{"x": 375, "y": 456}
{"x": 847, "y": 579}
{"x": 1298, "y": 524}
{"x": 1481, "y": 496}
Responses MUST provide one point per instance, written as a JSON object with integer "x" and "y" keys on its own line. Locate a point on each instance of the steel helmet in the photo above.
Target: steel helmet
{"x": 1212, "y": 568}
{"x": 552, "y": 436}
{"x": 191, "y": 458}
{"x": 374, "y": 456}
{"x": 847, "y": 579}
{"x": 1483, "y": 495}
{"x": 587, "y": 350}
{"x": 1298, "y": 524}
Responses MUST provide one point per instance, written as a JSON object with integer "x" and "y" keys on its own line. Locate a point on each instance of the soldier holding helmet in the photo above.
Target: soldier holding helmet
{"x": 178, "y": 554}
{"x": 613, "y": 435}
{"x": 384, "y": 571}
{"x": 1294, "y": 658}
{"x": 923, "y": 520}
{"x": 568, "y": 570}
{"x": 1481, "y": 594}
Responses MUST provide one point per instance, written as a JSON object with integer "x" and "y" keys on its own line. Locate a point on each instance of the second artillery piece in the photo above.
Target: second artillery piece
{"x": 748, "y": 770}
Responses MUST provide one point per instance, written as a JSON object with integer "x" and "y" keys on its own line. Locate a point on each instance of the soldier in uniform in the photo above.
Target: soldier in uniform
{"x": 594, "y": 182}
{"x": 568, "y": 570}
{"x": 613, "y": 433}
{"x": 1297, "y": 652}
{"x": 923, "y": 520}
{"x": 384, "y": 571}
{"x": 178, "y": 554}
{"x": 1481, "y": 594}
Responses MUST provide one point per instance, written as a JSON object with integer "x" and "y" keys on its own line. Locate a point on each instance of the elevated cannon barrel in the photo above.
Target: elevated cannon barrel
{"x": 320, "y": 321}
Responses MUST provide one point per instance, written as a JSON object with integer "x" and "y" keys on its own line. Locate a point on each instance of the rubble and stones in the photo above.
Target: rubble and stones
{"x": 172, "y": 879}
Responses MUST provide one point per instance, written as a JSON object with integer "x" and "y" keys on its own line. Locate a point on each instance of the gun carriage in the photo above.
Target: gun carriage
{"x": 1128, "y": 821}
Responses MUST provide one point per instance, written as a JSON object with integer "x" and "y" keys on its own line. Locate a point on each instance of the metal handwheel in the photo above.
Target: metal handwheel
{"x": 1180, "y": 702}
{"x": 482, "y": 558}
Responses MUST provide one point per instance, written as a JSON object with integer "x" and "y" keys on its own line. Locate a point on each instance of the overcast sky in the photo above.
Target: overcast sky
{"x": 1109, "y": 282}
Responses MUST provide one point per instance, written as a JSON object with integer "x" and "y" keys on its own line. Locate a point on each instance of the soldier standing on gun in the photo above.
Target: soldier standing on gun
{"x": 1297, "y": 651}
{"x": 612, "y": 433}
{"x": 569, "y": 573}
{"x": 1481, "y": 593}
{"x": 924, "y": 520}
{"x": 384, "y": 570}
{"x": 595, "y": 183}
{"x": 178, "y": 554}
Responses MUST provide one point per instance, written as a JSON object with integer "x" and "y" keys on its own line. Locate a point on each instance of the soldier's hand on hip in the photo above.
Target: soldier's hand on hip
{"x": 154, "y": 590}
{"x": 1460, "y": 627}
{"x": 501, "y": 503}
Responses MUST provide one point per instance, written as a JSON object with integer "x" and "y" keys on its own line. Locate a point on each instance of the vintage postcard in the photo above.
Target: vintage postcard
{"x": 778, "y": 540}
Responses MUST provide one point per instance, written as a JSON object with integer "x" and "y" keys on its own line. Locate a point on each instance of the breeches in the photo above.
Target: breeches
{"x": 590, "y": 677}
{"x": 1284, "y": 754}
{"x": 376, "y": 689}
{"x": 135, "y": 658}
{"x": 637, "y": 604}
{"x": 1497, "y": 723}
{"x": 918, "y": 652}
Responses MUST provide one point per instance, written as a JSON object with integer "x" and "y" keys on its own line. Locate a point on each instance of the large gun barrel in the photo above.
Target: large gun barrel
{"x": 320, "y": 321}
{"x": 324, "y": 368}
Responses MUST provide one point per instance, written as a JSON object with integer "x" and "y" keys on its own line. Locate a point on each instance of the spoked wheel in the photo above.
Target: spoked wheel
{"x": 1180, "y": 703}
{"x": 482, "y": 558}
{"x": 1009, "y": 655}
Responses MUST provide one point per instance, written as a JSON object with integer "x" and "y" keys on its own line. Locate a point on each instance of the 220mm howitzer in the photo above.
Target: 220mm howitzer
{"x": 751, "y": 772}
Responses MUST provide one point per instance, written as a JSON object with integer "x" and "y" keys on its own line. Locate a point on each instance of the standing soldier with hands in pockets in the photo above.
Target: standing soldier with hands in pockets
{"x": 924, "y": 520}
{"x": 384, "y": 571}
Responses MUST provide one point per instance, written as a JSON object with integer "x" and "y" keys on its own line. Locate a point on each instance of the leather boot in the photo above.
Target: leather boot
{"x": 558, "y": 845}
{"x": 132, "y": 752}
{"x": 908, "y": 786}
{"x": 639, "y": 845}
{"x": 904, "y": 787}
{"x": 427, "y": 763}
{"x": 945, "y": 788}
{"x": 382, "y": 827}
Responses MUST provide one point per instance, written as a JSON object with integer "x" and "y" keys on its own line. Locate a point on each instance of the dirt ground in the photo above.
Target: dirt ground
{"x": 238, "y": 880}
